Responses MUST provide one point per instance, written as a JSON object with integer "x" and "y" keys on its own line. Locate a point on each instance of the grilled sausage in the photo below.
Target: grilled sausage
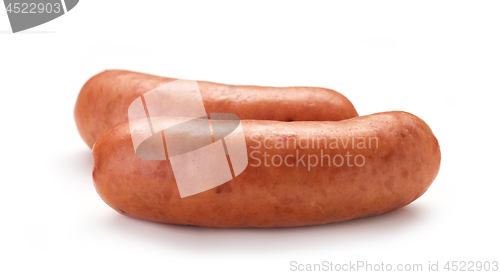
{"x": 298, "y": 173}
{"x": 105, "y": 98}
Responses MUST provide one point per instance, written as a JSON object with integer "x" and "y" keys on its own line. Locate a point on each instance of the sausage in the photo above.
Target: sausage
{"x": 298, "y": 173}
{"x": 105, "y": 98}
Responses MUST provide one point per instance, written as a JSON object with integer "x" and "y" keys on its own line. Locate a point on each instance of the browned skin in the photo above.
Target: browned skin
{"x": 104, "y": 100}
{"x": 396, "y": 173}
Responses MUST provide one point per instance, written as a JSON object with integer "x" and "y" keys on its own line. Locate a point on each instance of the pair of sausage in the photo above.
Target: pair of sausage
{"x": 310, "y": 158}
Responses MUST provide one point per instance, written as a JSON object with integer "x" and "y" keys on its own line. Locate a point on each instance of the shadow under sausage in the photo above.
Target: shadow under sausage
{"x": 224, "y": 240}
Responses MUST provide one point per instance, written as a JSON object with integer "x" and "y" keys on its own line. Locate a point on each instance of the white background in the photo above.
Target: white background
{"x": 439, "y": 60}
